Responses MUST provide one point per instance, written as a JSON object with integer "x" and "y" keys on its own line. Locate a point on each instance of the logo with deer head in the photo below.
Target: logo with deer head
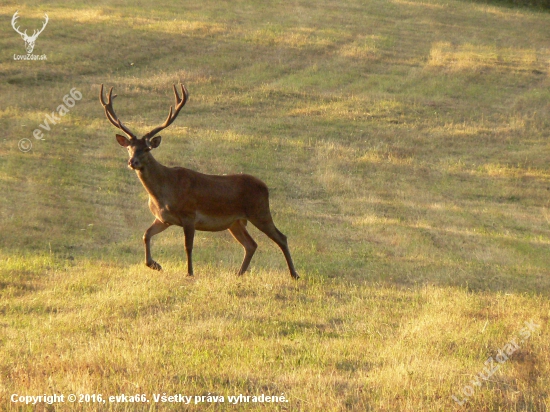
{"x": 29, "y": 40}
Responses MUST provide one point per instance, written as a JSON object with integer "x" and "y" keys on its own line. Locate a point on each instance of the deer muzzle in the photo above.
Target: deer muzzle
{"x": 29, "y": 46}
{"x": 134, "y": 164}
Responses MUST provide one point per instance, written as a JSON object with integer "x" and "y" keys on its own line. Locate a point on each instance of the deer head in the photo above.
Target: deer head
{"x": 29, "y": 40}
{"x": 139, "y": 148}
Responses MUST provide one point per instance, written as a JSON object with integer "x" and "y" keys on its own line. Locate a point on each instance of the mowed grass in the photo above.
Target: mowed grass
{"x": 405, "y": 144}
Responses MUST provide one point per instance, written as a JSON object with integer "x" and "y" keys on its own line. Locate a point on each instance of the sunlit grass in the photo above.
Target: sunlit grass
{"x": 479, "y": 57}
{"x": 405, "y": 147}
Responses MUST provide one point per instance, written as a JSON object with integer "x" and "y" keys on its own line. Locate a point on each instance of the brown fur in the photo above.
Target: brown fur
{"x": 196, "y": 201}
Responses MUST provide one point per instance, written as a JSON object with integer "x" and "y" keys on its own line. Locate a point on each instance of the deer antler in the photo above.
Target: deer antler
{"x": 180, "y": 102}
{"x": 13, "y": 21}
{"x": 35, "y": 34}
{"x": 110, "y": 113}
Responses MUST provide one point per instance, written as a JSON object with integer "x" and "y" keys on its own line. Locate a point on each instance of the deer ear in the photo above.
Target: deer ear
{"x": 122, "y": 140}
{"x": 155, "y": 142}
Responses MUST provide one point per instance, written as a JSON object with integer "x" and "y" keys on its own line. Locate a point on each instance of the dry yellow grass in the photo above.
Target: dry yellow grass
{"x": 406, "y": 147}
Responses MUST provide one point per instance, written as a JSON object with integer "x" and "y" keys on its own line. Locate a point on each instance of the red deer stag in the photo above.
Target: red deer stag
{"x": 195, "y": 201}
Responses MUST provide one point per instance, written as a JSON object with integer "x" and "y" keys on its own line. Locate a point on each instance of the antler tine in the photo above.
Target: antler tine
{"x": 110, "y": 113}
{"x": 108, "y": 105}
{"x": 184, "y": 94}
{"x": 43, "y": 25}
{"x": 180, "y": 102}
{"x": 14, "y": 21}
{"x": 173, "y": 113}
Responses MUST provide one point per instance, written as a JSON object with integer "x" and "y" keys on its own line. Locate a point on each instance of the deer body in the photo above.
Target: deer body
{"x": 185, "y": 195}
{"x": 197, "y": 201}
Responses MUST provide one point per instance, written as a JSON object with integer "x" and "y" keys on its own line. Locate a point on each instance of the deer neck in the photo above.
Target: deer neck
{"x": 153, "y": 177}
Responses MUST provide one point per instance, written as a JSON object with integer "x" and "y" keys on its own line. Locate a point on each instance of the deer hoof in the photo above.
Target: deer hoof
{"x": 295, "y": 276}
{"x": 154, "y": 265}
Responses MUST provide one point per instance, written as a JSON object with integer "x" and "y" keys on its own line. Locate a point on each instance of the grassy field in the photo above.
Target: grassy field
{"x": 406, "y": 147}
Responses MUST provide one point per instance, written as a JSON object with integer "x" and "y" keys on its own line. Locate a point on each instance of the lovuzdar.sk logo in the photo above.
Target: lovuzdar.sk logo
{"x": 29, "y": 40}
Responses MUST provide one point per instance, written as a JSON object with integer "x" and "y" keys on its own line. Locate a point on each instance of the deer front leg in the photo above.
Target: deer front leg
{"x": 155, "y": 228}
{"x": 189, "y": 232}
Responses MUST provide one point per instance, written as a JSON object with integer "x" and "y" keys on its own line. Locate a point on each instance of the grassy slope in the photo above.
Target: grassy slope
{"x": 405, "y": 144}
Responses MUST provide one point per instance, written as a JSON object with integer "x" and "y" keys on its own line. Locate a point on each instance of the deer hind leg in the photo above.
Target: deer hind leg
{"x": 155, "y": 229}
{"x": 268, "y": 227}
{"x": 189, "y": 232}
{"x": 239, "y": 232}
